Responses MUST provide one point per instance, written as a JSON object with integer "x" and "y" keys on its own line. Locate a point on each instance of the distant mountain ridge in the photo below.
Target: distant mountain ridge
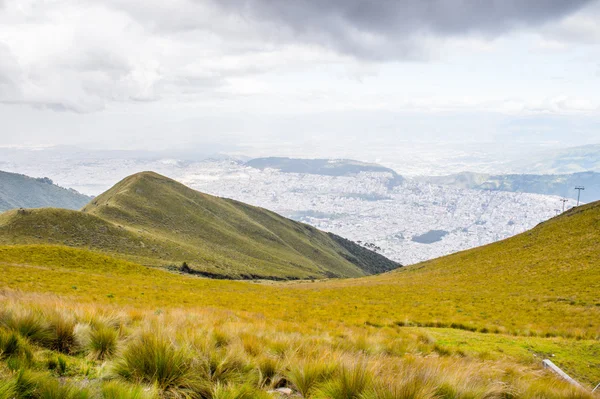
{"x": 569, "y": 160}
{"x": 326, "y": 167}
{"x": 20, "y": 191}
{"x": 153, "y": 220}
{"x": 561, "y": 185}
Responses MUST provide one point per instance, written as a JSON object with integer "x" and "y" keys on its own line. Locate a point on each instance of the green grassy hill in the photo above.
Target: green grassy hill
{"x": 473, "y": 324}
{"x": 20, "y": 191}
{"x": 494, "y": 311}
{"x": 153, "y": 220}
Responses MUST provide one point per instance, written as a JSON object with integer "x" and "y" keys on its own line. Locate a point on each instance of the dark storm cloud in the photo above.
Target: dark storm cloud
{"x": 388, "y": 29}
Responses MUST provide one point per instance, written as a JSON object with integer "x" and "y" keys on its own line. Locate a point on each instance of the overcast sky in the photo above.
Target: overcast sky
{"x": 283, "y": 74}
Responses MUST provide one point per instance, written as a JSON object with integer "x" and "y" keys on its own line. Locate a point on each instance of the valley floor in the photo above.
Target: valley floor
{"x": 115, "y": 329}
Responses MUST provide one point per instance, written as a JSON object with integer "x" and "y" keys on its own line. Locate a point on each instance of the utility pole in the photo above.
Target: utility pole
{"x": 579, "y": 188}
{"x": 557, "y": 211}
{"x": 563, "y": 201}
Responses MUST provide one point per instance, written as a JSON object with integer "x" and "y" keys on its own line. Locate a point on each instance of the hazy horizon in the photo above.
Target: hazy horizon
{"x": 342, "y": 79}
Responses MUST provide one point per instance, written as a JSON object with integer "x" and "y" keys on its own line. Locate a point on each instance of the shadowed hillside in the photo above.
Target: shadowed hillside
{"x": 20, "y": 191}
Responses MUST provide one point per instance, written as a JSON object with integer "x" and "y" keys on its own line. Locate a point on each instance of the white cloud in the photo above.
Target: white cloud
{"x": 154, "y": 71}
{"x": 83, "y": 55}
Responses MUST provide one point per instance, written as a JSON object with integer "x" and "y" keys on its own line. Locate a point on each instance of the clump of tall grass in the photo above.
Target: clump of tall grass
{"x": 30, "y": 385}
{"x": 281, "y": 348}
{"x": 411, "y": 382}
{"x": 62, "y": 365}
{"x": 252, "y": 344}
{"x": 307, "y": 376}
{"x": 112, "y": 320}
{"x": 12, "y": 346}
{"x": 62, "y": 329}
{"x": 545, "y": 388}
{"x": 268, "y": 371}
{"x": 226, "y": 368}
{"x": 54, "y": 389}
{"x": 121, "y": 390}
{"x": 29, "y": 324}
{"x": 154, "y": 360}
{"x": 347, "y": 383}
{"x": 26, "y": 384}
{"x": 58, "y": 364}
{"x": 469, "y": 389}
{"x": 53, "y": 330}
{"x": 7, "y": 389}
{"x": 220, "y": 338}
{"x": 102, "y": 342}
{"x": 245, "y": 391}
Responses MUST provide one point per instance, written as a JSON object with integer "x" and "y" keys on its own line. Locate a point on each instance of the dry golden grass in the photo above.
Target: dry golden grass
{"x": 208, "y": 353}
{"x": 474, "y": 324}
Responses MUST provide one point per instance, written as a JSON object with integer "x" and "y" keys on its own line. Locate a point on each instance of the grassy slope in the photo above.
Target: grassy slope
{"x": 322, "y": 307}
{"x": 20, "y": 191}
{"x": 539, "y": 290}
{"x": 153, "y": 220}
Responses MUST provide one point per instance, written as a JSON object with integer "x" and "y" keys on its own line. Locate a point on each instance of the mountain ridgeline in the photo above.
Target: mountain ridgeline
{"x": 20, "y": 191}
{"x": 562, "y": 185}
{"x": 155, "y": 221}
{"x": 324, "y": 167}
